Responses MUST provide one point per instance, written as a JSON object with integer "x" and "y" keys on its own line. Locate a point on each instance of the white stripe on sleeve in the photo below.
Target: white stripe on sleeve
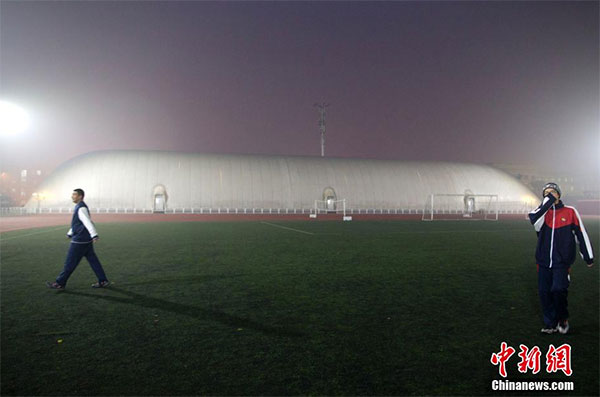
{"x": 586, "y": 239}
{"x": 84, "y": 217}
{"x": 540, "y": 222}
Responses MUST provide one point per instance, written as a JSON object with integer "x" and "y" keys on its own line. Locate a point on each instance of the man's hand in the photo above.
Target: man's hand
{"x": 590, "y": 264}
{"x": 552, "y": 194}
{"x": 95, "y": 239}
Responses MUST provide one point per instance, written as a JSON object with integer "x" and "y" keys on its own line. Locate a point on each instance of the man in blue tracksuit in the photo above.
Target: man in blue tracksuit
{"x": 559, "y": 228}
{"x": 83, "y": 235}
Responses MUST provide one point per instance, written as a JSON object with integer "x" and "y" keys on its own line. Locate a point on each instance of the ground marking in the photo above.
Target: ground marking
{"x": 287, "y": 228}
{"x": 31, "y": 234}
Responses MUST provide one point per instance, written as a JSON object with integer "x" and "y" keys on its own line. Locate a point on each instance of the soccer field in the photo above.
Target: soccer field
{"x": 285, "y": 308}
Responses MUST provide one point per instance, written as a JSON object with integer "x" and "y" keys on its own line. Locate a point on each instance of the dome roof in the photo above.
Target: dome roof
{"x": 132, "y": 179}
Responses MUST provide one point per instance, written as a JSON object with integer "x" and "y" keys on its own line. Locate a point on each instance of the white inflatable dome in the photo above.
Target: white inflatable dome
{"x": 145, "y": 179}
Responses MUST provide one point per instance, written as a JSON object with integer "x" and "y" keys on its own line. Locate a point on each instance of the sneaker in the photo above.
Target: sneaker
{"x": 549, "y": 330}
{"x": 54, "y": 285}
{"x": 103, "y": 284}
{"x": 563, "y": 327}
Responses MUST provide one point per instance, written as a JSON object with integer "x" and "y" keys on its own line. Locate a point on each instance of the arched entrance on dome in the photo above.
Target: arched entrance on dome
{"x": 469, "y": 204}
{"x": 159, "y": 199}
{"x": 329, "y": 197}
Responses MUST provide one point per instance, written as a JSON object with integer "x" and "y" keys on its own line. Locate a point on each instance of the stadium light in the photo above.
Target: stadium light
{"x": 13, "y": 119}
{"x": 529, "y": 199}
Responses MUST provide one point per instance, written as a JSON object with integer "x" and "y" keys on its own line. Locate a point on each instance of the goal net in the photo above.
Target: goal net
{"x": 461, "y": 207}
{"x": 330, "y": 206}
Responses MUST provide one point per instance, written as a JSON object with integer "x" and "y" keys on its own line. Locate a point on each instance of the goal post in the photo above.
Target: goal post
{"x": 330, "y": 207}
{"x": 443, "y": 206}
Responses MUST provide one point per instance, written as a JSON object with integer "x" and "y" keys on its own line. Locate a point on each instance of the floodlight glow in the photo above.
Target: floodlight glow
{"x": 13, "y": 119}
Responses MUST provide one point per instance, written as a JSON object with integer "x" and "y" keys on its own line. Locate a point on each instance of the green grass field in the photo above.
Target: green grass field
{"x": 354, "y": 308}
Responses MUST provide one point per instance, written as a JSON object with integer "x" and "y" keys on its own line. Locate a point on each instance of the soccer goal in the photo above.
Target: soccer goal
{"x": 461, "y": 207}
{"x": 330, "y": 206}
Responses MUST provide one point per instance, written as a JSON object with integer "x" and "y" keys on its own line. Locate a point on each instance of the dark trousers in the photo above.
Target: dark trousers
{"x": 553, "y": 284}
{"x": 74, "y": 256}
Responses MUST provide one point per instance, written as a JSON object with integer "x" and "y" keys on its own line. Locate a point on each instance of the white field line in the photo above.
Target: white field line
{"x": 287, "y": 228}
{"x": 31, "y": 234}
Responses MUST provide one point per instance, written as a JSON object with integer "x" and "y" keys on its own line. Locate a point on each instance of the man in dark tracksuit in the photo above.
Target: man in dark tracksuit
{"x": 559, "y": 228}
{"x": 83, "y": 236}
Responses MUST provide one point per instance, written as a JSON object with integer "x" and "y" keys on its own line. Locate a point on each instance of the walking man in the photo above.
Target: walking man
{"x": 559, "y": 227}
{"x": 83, "y": 235}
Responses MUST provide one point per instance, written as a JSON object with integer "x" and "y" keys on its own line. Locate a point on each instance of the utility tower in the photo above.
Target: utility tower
{"x": 321, "y": 107}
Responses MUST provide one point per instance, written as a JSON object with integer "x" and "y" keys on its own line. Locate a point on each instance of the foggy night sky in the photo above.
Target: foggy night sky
{"x": 505, "y": 82}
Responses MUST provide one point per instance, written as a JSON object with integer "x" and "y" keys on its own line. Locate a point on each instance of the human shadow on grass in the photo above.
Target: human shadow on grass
{"x": 187, "y": 279}
{"x": 190, "y": 311}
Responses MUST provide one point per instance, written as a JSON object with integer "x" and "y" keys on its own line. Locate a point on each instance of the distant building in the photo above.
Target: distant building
{"x": 575, "y": 186}
{"x": 18, "y": 185}
{"x": 154, "y": 180}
